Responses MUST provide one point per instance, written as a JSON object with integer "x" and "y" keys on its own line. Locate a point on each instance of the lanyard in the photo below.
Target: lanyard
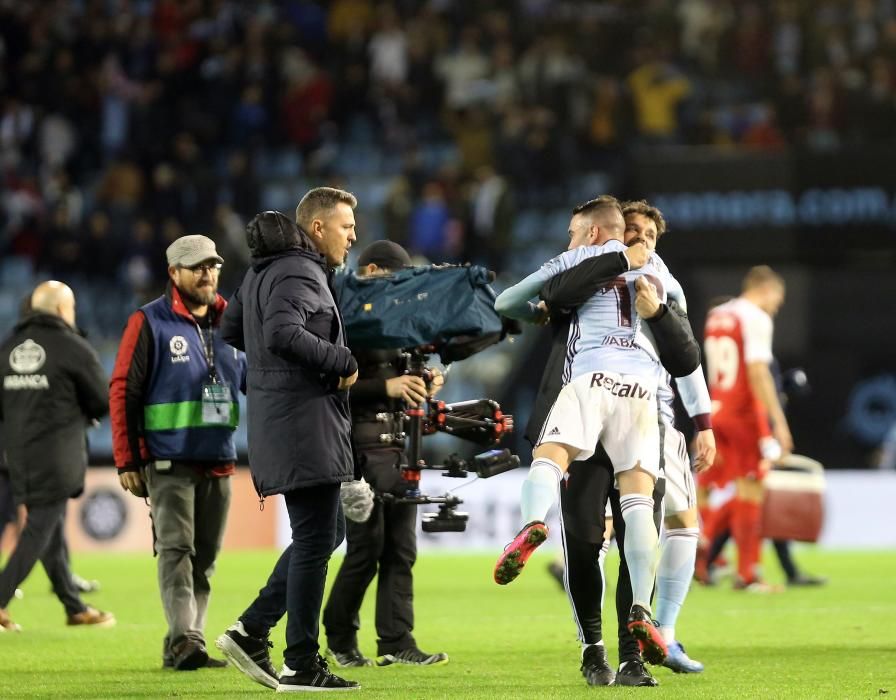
{"x": 208, "y": 349}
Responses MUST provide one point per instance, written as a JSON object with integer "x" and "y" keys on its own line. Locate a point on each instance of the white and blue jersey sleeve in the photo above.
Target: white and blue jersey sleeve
{"x": 515, "y": 302}
{"x": 694, "y": 393}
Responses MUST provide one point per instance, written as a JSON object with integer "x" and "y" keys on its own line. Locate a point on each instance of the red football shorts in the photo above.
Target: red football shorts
{"x": 737, "y": 454}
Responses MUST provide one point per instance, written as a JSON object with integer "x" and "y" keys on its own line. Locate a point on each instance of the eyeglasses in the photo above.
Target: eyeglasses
{"x": 202, "y": 267}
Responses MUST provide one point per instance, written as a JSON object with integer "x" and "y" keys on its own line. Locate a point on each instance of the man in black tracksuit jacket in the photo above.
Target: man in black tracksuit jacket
{"x": 53, "y": 386}
{"x": 590, "y": 484}
{"x": 285, "y": 318}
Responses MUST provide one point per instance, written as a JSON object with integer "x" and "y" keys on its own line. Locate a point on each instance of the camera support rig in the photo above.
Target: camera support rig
{"x": 480, "y": 421}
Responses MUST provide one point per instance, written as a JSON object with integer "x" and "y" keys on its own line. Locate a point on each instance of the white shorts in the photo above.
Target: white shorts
{"x": 619, "y": 410}
{"x": 681, "y": 494}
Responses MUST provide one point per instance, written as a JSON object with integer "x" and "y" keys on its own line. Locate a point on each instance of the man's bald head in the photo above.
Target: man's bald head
{"x": 54, "y": 298}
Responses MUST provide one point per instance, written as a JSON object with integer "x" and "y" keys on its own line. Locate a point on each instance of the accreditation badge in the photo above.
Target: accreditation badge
{"x": 216, "y": 404}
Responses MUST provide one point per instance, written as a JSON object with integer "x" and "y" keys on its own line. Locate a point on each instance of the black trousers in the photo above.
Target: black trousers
{"x": 583, "y": 499}
{"x": 42, "y": 539}
{"x": 7, "y": 503}
{"x": 296, "y": 585}
{"x": 385, "y": 548}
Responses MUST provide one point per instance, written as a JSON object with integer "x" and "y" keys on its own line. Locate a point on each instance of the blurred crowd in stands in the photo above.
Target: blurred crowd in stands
{"x": 127, "y": 123}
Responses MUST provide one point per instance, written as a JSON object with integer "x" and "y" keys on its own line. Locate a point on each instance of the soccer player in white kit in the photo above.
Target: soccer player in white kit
{"x": 609, "y": 396}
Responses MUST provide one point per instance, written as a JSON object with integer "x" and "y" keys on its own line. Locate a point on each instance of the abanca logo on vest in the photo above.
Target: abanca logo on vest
{"x": 179, "y": 348}
{"x": 25, "y": 360}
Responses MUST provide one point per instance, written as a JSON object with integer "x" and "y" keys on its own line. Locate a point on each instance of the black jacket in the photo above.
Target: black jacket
{"x": 53, "y": 385}
{"x": 372, "y": 408}
{"x": 373, "y": 415}
{"x": 285, "y": 318}
{"x": 679, "y": 350}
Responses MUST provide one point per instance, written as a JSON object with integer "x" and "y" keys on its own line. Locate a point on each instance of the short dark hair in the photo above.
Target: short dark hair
{"x": 642, "y": 207}
{"x": 598, "y": 205}
{"x": 319, "y": 200}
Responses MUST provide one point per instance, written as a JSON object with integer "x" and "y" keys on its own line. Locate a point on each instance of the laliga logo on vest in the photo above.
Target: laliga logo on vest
{"x": 25, "y": 359}
{"x": 179, "y": 347}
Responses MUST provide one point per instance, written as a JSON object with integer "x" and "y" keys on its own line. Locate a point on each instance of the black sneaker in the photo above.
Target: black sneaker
{"x": 653, "y": 646}
{"x": 634, "y": 673}
{"x": 316, "y": 677}
{"x": 595, "y": 667}
{"x": 189, "y": 655}
{"x": 251, "y": 655}
{"x": 350, "y": 658}
{"x": 412, "y": 656}
{"x": 168, "y": 662}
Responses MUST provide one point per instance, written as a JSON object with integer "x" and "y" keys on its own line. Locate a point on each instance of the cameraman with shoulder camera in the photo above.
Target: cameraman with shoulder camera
{"x": 385, "y": 545}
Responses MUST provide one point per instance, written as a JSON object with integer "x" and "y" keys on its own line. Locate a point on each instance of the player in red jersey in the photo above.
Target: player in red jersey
{"x": 738, "y": 351}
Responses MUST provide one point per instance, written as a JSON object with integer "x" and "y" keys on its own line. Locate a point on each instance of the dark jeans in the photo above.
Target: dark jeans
{"x": 43, "y": 538}
{"x": 384, "y": 547}
{"x": 296, "y": 585}
{"x": 583, "y": 500}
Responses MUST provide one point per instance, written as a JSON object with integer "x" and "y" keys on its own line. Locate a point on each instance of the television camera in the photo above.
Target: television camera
{"x": 444, "y": 309}
{"x": 480, "y": 421}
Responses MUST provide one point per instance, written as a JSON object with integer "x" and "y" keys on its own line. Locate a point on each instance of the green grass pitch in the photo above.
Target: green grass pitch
{"x": 518, "y": 641}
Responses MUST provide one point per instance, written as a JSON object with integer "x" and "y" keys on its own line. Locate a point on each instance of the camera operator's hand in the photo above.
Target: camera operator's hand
{"x": 409, "y": 388}
{"x": 437, "y": 381}
{"x": 647, "y": 303}
{"x": 346, "y": 382}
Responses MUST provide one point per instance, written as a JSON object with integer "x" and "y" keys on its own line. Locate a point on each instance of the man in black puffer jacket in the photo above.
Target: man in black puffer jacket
{"x": 53, "y": 386}
{"x": 285, "y": 318}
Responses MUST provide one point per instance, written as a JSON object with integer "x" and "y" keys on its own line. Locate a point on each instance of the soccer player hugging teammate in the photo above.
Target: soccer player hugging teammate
{"x": 609, "y": 396}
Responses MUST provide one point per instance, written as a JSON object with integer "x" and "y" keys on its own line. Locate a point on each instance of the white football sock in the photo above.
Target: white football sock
{"x": 673, "y": 577}
{"x": 640, "y": 545}
{"x": 540, "y": 490}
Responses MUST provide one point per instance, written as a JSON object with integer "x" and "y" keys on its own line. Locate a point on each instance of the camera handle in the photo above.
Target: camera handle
{"x": 416, "y": 365}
